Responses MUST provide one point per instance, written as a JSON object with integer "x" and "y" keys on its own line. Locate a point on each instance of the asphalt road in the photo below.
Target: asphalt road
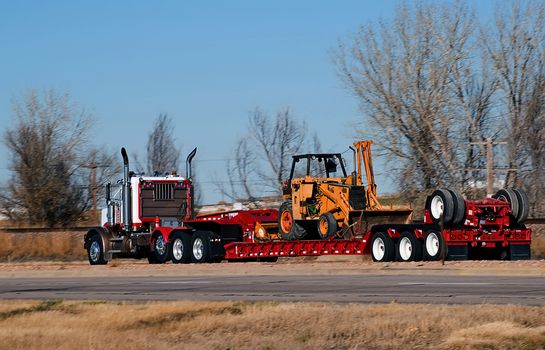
{"x": 338, "y": 288}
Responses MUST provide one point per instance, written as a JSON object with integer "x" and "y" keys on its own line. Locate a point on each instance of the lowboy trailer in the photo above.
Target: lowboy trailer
{"x": 152, "y": 217}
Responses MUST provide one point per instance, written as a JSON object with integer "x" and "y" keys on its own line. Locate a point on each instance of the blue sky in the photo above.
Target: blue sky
{"x": 205, "y": 63}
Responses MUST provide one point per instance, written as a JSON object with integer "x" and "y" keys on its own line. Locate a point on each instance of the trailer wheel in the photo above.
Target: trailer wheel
{"x": 382, "y": 247}
{"x": 95, "y": 251}
{"x": 433, "y": 245}
{"x": 459, "y": 207}
{"x": 287, "y": 226}
{"x": 180, "y": 248}
{"x": 200, "y": 247}
{"x": 524, "y": 206}
{"x": 409, "y": 248}
{"x": 327, "y": 225}
{"x": 441, "y": 204}
{"x": 161, "y": 250}
{"x": 509, "y": 196}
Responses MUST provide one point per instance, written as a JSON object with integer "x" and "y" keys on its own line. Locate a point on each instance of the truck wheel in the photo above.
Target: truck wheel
{"x": 180, "y": 248}
{"x": 382, "y": 247}
{"x": 409, "y": 248}
{"x": 327, "y": 225}
{"x": 509, "y": 196}
{"x": 524, "y": 206}
{"x": 161, "y": 250}
{"x": 287, "y": 227}
{"x": 95, "y": 251}
{"x": 459, "y": 207}
{"x": 200, "y": 247}
{"x": 441, "y": 204}
{"x": 433, "y": 245}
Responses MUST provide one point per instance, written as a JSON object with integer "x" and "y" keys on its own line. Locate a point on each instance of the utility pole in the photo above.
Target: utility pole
{"x": 489, "y": 150}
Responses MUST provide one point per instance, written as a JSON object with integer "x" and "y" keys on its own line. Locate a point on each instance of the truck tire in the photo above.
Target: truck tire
{"x": 459, "y": 207}
{"x": 433, "y": 245}
{"x": 288, "y": 228}
{"x": 408, "y": 248}
{"x": 327, "y": 225}
{"x": 441, "y": 204}
{"x": 509, "y": 196}
{"x": 200, "y": 247}
{"x": 180, "y": 248}
{"x": 161, "y": 251}
{"x": 95, "y": 251}
{"x": 382, "y": 247}
{"x": 524, "y": 206}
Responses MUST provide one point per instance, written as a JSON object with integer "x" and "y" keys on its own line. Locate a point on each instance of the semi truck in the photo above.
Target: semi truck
{"x": 153, "y": 218}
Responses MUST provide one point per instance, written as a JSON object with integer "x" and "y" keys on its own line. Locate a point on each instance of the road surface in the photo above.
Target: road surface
{"x": 525, "y": 290}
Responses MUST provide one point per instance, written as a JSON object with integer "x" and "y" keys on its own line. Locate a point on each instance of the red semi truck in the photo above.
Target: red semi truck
{"x": 153, "y": 217}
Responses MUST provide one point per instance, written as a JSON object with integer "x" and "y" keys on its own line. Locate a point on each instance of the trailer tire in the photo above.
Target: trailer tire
{"x": 433, "y": 245}
{"x": 459, "y": 207}
{"x": 161, "y": 250}
{"x": 441, "y": 204}
{"x": 200, "y": 247}
{"x": 408, "y": 248}
{"x": 288, "y": 228}
{"x": 95, "y": 251}
{"x": 510, "y": 196}
{"x": 382, "y": 247}
{"x": 180, "y": 248}
{"x": 524, "y": 206}
{"x": 327, "y": 225}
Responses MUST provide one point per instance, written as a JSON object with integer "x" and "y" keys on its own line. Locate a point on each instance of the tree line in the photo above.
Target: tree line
{"x": 434, "y": 83}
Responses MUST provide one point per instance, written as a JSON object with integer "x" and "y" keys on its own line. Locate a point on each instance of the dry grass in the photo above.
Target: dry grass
{"x": 68, "y": 245}
{"x": 60, "y": 246}
{"x": 230, "y": 325}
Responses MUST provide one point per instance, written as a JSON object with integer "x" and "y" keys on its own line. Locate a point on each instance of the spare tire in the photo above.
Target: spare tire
{"x": 524, "y": 206}
{"x": 509, "y": 196}
{"x": 459, "y": 207}
{"x": 441, "y": 204}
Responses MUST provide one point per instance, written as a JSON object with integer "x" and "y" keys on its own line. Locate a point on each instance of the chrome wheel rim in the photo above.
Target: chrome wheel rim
{"x": 405, "y": 248}
{"x": 160, "y": 246}
{"x": 379, "y": 249}
{"x": 432, "y": 244}
{"x": 437, "y": 207}
{"x": 198, "y": 249}
{"x": 94, "y": 251}
{"x": 178, "y": 249}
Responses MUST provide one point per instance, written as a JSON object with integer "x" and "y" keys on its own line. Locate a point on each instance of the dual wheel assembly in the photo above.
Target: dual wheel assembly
{"x": 407, "y": 247}
{"x": 183, "y": 248}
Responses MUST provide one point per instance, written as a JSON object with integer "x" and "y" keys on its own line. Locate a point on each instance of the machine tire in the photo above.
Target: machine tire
{"x": 524, "y": 206}
{"x": 180, "y": 248}
{"x": 433, "y": 245}
{"x": 382, "y": 247}
{"x": 95, "y": 251}
{"x": 510, "y": 196}
{"x": 441, "y": 204}
{"x": 161, "y": 250}
{"x": 327, "y": 225}
{"x": 200, "y": 247}
{"x": 408, "y": 248}
{"x": 288, "y": 228}
{"x": 459, "y": 207}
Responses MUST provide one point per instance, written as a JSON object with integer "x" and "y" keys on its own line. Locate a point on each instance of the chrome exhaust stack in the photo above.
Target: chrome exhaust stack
{"x": 188, "y": 176}
{"x": 126, "y": 192}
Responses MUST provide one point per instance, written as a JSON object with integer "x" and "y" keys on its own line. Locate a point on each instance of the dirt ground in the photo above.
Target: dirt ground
{"x": 355, "y": 265}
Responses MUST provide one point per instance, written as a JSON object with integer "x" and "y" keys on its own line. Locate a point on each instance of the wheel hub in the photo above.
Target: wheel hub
{"x": 198, "y": 249}
{"x": 178, "y": 249}
{"x": 405, "y": 248}
{"x": 379, "y": 249}
{"x": 94, "y": 251}
{"x": 437, "y": 207}
{"x": 160, "y": 246}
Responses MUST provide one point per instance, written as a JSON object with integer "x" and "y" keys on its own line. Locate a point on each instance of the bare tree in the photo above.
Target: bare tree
{"x": 515, "y": 48}
{"x": 48, "y": 145}
{"x": 262, "y": 158}
{"x": 162, "y": 154}
{"x": 423, "y": 98}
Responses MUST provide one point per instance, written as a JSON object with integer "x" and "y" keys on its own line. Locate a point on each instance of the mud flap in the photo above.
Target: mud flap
{"x": 519, "y": 252}
{"x": 457, "y": 252}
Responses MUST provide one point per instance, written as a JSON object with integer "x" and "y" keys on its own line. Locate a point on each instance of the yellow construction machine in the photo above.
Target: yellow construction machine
{"x": 321, "y": 199}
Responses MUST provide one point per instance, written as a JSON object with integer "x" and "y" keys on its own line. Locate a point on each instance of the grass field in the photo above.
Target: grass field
{"x": 245, "y": 325}
{"x": 68, "y": 246}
